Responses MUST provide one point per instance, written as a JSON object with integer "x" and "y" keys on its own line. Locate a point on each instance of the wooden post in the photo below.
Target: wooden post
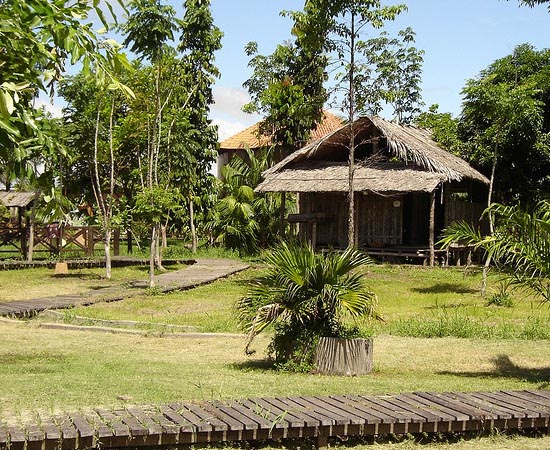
{"x": 90, "y": 241}
{"x": 116, "y": 242}
{"x": 282, "y": 213}
{"x": 432, "y": 229}
{"x": 313, "y": 234}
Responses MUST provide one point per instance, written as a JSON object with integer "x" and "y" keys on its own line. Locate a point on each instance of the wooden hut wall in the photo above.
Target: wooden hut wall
{"x": 332, "y": 231}
{"x": 466, "y": 202}
{"x": 379, "y": 221}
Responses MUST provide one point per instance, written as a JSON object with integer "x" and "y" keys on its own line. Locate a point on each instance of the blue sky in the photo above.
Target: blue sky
{"x": 460, "y": 38}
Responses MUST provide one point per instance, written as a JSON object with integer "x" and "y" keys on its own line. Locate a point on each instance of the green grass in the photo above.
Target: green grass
{"x": 413, "y": 301}
{"x": 42, "y": 282}
{"x": 52, "y": 369}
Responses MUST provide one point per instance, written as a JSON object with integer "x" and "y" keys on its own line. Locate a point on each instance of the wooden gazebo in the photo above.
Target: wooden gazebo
{"x": 13, "y": 230}
{"x": 407, "y": 188}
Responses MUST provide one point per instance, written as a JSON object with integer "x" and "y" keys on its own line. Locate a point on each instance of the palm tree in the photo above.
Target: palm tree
{"x": 519, "y": 245}
{"x": 306, "y": 296}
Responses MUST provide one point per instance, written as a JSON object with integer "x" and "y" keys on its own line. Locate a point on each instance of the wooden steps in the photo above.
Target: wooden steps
{"x": 279, "y": 418}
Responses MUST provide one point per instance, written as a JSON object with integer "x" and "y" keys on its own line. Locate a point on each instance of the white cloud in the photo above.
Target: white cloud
{"x": 228, "y": 101}
{"x": 227, "y": 128}
{"x": 55, "y": 109}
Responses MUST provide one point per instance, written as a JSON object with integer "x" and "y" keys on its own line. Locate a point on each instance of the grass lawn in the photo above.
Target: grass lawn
{"x": 52, "y": 369}
{"x": 42, "y": 282}
{"x": 413, "y": 300}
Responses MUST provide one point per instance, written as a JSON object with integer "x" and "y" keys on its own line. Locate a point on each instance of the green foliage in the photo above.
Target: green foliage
{"x": 504, "y": 116}
{"x": 155, "y": 204}
{"x": 444, "y": 128}
{"x": 38, "y": 38}
{"x": 519, "y": 246}
{"x": 305, "y": 296}
{"x": 502, "y": 297}
{"x": 245, "y": 220}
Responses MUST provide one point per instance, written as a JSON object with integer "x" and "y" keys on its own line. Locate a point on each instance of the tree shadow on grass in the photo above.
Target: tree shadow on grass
{"x": 79, "y": 276}
{"x": 505, "y": 368}
{"x": 442, "y": 288}
{"x": 255, "y": 365}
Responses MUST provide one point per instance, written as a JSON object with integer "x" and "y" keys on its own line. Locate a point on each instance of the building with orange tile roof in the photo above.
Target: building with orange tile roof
{"x": 250, "y": 137}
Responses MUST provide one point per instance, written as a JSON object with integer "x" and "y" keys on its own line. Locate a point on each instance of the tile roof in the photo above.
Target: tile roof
{"x": 250, "y": 136}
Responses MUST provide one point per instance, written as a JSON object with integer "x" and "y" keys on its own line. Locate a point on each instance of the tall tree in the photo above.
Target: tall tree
{"x": 199, "y": 41}
{"x": 37, "y": 40}
{"x": 505, "y": 123}
{"x": 375, "y": 69}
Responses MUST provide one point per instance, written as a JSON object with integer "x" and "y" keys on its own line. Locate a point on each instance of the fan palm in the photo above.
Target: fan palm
{"x": 308, "y": 295}
{"x": 519, "y": 245}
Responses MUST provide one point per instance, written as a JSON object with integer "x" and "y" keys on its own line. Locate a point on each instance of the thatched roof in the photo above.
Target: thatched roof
{"x": 250, "y": 137}
{"x": 321, "y": 166}
{"x": 328, "y": 176}
{"x": 12, "y": 199}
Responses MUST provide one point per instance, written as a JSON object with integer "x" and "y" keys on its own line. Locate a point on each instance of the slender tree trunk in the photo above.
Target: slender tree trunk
{"x": 432, "y": 229}
{"x": 487, "y": 264}
{"x": 351, "y": 160}
{"x": 30, "y": 245}
{"x": 107, "y": 248}
{"x": 152, "y": 257}
{"x": 192, "y": 227}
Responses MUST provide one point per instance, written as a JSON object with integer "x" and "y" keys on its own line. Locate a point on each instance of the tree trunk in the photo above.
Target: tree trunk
{"x": 347, "y": 357}
{"x": 432, "y": 229}
{"x": 351, "y": 160}
{"x": 107, "y": 248}
{"x": 491, "y": 224}
{"x": 152, "y": 257}
{"x": 30, "y": 245}
{"x": 192, "y": 227}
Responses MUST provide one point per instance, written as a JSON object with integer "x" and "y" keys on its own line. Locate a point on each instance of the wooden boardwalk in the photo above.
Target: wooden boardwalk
{"x": 203, "y": 271}
{"x": 279, "y": 418}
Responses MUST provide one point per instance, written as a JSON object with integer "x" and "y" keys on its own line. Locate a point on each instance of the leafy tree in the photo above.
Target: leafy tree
{"x": 199, "y": 41}
{"x": 246, "y": 220}
{"x": 37, "y": 40}
{"x": 444, "y": 128}
{"x": 518, "y": 246}
{"x": 375, "y": 70}
{"x": 505, "y": 123}
{"x": 305, "y": 296}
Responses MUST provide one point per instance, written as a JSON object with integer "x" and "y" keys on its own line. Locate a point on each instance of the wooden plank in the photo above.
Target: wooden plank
{"x": 146, "y": 420}
{"x": 472, "y": 407}
{"x": 192, "y": 419}
{"x": 278, "y": 415}
{"x": 389, "y": 415}
{"x": 114, "y": 422}
{"x": 425, "y": 413}
{"x": 322, "y": 419}
{"x": 134, "y": 426}
{"x": 356, "y": 417}
{"x": 314, "y": 404}
{"x": 541, "y": 393}
{"x": 495, "y": 411}
{"x": 533, "y": 400}
{"x": 371, "y": 416}
{"x": 290, "y": 411}
{"x": 522, "y": 407}
{"x": 229, "y": 416}
{"x": 454, "y": 409}
{"x": 181, "y": 419}
{"x": 261, "y": 421}
{"x": 101, "y": 429}
{"x": 217, "y": 424}
{"x": 403, "y": 414}
{"x": 436, "y": 409}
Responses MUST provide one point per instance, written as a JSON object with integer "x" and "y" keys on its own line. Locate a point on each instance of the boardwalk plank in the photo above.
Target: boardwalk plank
{"x": 371, "y": 416}
{"x": 389, "y": 415}
{"x": 217, "y": 424}
{"x": 298, "y": 406}
{"x": 228, "y": 416}
{"x": 314, "y": 404}
{"x": 356, "y": 417}
{"x": 278, "y": 416}
{"x": 114, "y": 422}
{"x": 443, "y": 405}
{"x": 445, "y": 414}
{"x": 494, "y": 411}
{"x": 534, "y": 400}
{"x": 293, "y": 411}
{"x": 260, "y": 421}
{"x": 181, "y": 419}
{"x": 401, "y": 413}
{"x": 431, "y": 415}
{"x": 521, "y": 407}
{"x": 145, "y": 419}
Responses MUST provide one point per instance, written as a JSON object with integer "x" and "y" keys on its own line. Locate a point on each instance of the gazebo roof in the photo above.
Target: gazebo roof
{"x": 14, "y": 199}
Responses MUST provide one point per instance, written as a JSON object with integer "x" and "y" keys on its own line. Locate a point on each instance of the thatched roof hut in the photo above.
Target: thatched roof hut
{"x": 414, "y": 162}
{"x": 399, "y": 173}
